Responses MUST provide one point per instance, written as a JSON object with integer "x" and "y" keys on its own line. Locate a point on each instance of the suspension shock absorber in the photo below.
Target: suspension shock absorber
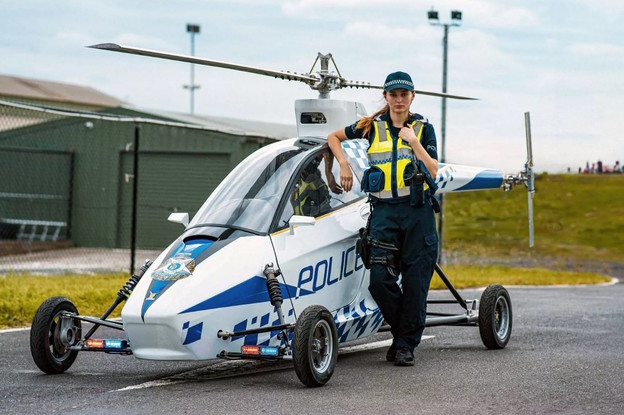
{"x": 275, "y": 294}
{"x": 122, "y": 295}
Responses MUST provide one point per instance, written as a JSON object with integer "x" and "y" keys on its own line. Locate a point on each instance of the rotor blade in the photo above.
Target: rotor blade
{"x": 207, "y": 62}
{"x": 355, "y": 84}
{"x": 530, "y": 176}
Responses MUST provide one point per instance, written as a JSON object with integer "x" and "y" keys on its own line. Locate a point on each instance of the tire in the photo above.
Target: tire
{"x": 495, "y": 317}
{"x": 315, "y": 346}
{"x": 48, "y": 352}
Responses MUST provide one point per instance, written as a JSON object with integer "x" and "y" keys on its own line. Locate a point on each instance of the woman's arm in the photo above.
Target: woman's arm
{"x": 334, "y": 141}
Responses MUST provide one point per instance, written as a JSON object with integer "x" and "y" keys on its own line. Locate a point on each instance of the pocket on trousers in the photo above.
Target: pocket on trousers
{"x": 431, "y": 239}
{"x": 431, "y": 244}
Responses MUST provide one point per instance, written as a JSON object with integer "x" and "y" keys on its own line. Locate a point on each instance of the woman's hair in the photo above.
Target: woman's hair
{"x": 365, "y": 123}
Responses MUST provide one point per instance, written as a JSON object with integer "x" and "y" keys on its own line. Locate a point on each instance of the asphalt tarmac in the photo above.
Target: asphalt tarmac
{"x": 565, "y": 356}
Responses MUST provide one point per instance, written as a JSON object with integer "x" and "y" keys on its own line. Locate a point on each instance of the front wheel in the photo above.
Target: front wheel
{"x": 495, "y": 317}
{"x": 52, "y": 333}
{"x": 315, "y": 346}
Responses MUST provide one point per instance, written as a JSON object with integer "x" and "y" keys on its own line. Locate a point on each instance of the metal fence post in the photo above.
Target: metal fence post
{"x": 135, "y": 187}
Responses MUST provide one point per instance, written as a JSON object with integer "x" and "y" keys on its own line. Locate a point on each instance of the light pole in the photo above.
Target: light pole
{"x": 192, "y": 29}
{"x": 456, "y": 17}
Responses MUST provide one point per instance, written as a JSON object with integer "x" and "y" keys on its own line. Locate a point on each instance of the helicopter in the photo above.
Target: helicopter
{"x": 256, "y": 276}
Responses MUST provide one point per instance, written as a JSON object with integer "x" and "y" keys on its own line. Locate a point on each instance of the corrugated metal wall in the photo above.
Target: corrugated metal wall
{"x": 179, "y": 166}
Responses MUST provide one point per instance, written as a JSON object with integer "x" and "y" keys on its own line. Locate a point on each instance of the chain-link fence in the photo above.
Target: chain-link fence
{"x": 91, "y": 192}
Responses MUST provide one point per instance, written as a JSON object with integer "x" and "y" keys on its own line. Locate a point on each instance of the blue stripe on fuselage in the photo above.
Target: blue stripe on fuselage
{"x": 252, "y": 291}
{"x": 487, "y": 179}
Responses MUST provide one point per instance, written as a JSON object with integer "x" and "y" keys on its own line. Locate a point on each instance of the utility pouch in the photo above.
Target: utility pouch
{"x": 417, "y": 190}
{"x": 362, "y": 247}
{"x": 415, "y": 179}
{"x": 373, "y": 180}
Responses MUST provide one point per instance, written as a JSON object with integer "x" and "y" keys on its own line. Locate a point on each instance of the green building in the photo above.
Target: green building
{"x": 67, "y": 159}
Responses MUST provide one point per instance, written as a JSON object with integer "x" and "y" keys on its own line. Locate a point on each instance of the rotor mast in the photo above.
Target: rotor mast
{"x": 328, "y": 81}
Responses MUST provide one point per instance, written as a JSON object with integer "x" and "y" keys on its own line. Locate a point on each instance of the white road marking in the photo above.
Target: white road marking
{"x": 369, "y": 346}
{"x": 226, "y": 363}
{"x": 151, "y": 384}
{"x": 12, "y": 330}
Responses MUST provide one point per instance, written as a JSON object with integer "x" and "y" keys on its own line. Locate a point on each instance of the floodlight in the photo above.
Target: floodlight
{"x": 192, "y": 28}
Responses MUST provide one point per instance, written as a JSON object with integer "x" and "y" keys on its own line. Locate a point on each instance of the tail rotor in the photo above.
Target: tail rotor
{"x": 526, "y": 177}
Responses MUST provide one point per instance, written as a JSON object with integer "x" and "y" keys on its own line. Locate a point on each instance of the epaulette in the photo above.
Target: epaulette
{"x": 421, "y": 118}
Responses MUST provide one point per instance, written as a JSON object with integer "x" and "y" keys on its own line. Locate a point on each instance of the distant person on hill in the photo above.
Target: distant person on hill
{"x": 617, "y": 168}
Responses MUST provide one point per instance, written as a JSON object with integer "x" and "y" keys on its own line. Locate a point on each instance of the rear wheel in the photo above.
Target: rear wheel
{"x": 51, "y": 335}
{"x": 495, "y": 317}
{"x": 315, "y": 346}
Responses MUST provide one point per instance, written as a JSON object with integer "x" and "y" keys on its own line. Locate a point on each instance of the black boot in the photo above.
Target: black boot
{"x": 404, "y": 357}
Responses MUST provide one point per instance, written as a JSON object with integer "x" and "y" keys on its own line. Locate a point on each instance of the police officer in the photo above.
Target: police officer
{"x": 399, "y": 141}
{"x": 311, "y": 197}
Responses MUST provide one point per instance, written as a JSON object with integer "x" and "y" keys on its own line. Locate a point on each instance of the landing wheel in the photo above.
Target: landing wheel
{"x": 51, "y": 335}
{"x": 495, "y": 317}
{"x": 315, "y": 346}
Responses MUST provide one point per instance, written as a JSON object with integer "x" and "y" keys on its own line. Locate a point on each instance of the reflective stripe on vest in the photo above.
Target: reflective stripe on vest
{"x": 380, "y": 154}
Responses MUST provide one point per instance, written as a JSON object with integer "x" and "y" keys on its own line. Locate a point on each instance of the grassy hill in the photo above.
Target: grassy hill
{"x": 577, "y": 217}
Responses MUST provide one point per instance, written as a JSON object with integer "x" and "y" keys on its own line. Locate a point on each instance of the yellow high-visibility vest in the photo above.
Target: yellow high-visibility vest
{"x": 381, "y": 154}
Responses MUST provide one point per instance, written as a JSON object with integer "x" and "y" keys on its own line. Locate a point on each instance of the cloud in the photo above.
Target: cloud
{"x": 382, "y": 33}
{"x": 596, "y": 50}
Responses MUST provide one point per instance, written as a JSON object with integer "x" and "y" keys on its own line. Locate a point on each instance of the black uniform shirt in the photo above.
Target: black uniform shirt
{"x": 428, "y": 139}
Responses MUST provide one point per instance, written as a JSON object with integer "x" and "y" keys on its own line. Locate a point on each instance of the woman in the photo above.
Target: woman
{"x": 402, "y": 213}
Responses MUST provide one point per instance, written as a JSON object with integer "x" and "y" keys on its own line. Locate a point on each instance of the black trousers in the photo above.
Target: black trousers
{"x": 412, "y": 230}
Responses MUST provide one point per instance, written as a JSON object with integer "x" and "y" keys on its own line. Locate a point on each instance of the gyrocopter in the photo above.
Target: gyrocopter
{"x": 256, "y": 276}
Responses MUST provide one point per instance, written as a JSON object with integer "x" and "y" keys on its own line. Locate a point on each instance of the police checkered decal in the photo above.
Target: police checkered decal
{"x": 358, "y": 321}
{"x": 260, "y": 339}
{"x": 445, "y": 175}
{"x": 357, "y": 151}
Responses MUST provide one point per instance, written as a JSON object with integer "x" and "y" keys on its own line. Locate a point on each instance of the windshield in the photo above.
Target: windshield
{"x": 249, "y": 195}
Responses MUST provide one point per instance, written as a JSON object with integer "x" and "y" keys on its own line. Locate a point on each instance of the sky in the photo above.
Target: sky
{"x": 561, "y": 61}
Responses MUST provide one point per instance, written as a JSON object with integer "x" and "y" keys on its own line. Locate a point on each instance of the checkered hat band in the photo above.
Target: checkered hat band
{"x": 399, "y": 81}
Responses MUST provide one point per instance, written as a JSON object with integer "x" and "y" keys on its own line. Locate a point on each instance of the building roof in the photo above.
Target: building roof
{"x": 48, "y": 91}
{"x": 233, "y": 126}
{"x": 41, "y": 96}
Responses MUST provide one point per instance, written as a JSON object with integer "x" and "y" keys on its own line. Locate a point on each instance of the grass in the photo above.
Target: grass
{"x": 468, "y": 276}
{"x": 21, "y": 294}
{"x": 578, "y": 217}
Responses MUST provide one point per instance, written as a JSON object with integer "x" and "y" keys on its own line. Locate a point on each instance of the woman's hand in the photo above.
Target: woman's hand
{"x": 346, "y": 177}
{"x": 408, "y": 135}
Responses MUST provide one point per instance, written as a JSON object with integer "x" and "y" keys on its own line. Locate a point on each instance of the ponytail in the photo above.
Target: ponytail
{"x": 366, "y": 123}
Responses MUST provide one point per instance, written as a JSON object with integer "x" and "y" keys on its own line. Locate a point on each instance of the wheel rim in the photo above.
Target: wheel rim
{"x": 501, "y": 317}
{"x": 56, "y": 349}
{"x": 322, "y": 347}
